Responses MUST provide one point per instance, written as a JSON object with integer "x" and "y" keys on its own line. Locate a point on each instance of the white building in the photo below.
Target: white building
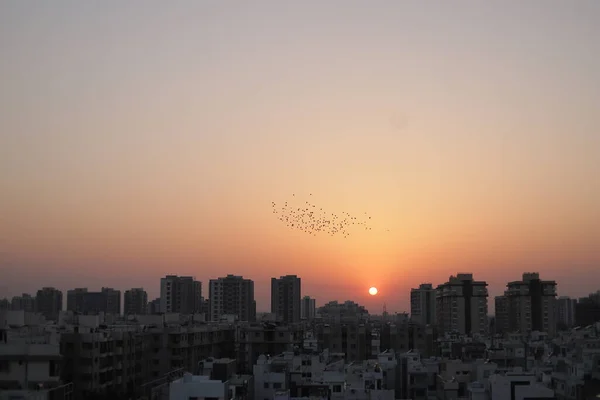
{"x": 30, "y": 360}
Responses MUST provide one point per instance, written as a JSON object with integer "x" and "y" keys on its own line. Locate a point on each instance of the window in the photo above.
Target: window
{"x": 266, "y": 386}
{"x": 337, "y": 388}
{"x": 277, "y": 385}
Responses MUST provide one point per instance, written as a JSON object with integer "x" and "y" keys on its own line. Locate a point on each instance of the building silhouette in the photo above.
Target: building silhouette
{"x": 461, "y": 305}
{"x": 135, "y": 301}
{"x": 285, "y": 298}
{"x": 422, "y": 304}
{"x": 180, "y": 294}
{"x": 232, "y": 296}
{"x": 49, "y": 302}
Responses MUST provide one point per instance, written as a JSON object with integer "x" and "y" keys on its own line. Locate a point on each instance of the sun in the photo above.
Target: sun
{"x": 373, "y": 291}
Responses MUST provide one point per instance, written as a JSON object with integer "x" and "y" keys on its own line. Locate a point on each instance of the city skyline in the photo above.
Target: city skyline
{"x": 377, "y": 303}
{"x": 139, "y": 142}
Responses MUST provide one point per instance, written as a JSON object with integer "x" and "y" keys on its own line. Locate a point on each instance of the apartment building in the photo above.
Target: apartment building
{"x": 232, "y": 296}
{"x": 422, "y": 304}
{"x": 308, "y": 308}
{"x": 461, "y": 305}
{"x": 24, "y": 302}
{"x": 49, "y": 302}
{"x": 285, "y": 298}
{"x": 502, "y": 320}
{"x": 180, "y": 294}
{"x": 565, "y": 312}
{"x": 82, "y": 301}
{"x": 531, "y": 304}
{"x": 135, "y": 302}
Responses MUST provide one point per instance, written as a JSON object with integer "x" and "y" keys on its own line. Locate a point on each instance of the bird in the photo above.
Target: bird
{"x": 314, "y": 220}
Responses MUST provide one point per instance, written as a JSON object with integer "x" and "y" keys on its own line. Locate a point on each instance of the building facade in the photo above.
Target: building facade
{"x": 501, "y": 323}
{"x": 531, "y": 304}
{"x": 422, "y": 304}
{"x": 135, "y": 302}
{"x": 49, "y": 302}
{"x": 308, "y": 308}
{"x": 565, "y": 312}
{"x": 285, "y": 298}
{"x": 180, "y": 294}
{"x": 232, "y": 295}
{"x": 24, "y": 302}
{"x": 462, "y": 306}
{"x": 81, "y": 301}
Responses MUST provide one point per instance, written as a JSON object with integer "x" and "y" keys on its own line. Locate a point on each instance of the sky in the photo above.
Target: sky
{"x": 146, "y": 138}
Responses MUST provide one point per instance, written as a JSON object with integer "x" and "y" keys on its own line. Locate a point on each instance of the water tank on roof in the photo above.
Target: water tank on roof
{"x": 187, "y": 377}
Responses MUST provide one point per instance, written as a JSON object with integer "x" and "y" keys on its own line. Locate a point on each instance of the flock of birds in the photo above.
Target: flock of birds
{"x": 313, "y": 220}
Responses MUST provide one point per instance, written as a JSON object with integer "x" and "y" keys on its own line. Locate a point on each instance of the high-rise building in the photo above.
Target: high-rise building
{"x": 565, "y": 312}
{"x": 113, "y": 300}
{"x": 232, "y": 295}
{"x": 461, "y": 305}
{"x": 285, "y": 298}
{"x": 308, "y": 308}
{"x": 135, "y": 301}
{"x": 587, "y": 310}
{"x": 180, "y": 294}
{"x": 501, "y": 322}
{"x": 531, "y": 304}
{"x": 107, "y": 300}
{"x": 154, "y": 306}
{"x": 422, "y": 304}
{"x": 75, "y": 300}
{"x": 49, "y": 302}
{"x": 25, "y": 302}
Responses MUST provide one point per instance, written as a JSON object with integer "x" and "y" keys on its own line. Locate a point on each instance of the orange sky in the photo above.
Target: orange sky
{"x": 139, "y": 144}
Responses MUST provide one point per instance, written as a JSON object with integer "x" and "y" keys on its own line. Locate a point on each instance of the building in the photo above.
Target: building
{"x": 75, "y": 300}
{"x": 81, "y": 301}
{"x": 532, "y": 304}
{"x": 232, "y": 295}
{"x": 180, "y": 294}
{"x": 461, "y": 305}
{"x": 49, "y": 302}
{"x": 113, "y": 300}
{"x": 308, "y": 308}
{"x": 285, "y": 298}
{"x": 25, "y": 302}
{"x": 154, "y": 306}
{"x": 501, "y": 321}
{"x": 30, "y": 363}
{"x": 565, "y": 312}
{"x": 422, "y": 304}
{"x": 587, "y": 310}
{"x": 349, "y": 311}
{"x": 135, "y": 301}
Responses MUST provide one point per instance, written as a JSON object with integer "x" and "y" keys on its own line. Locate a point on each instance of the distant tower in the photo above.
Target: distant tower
{"x": 384, "y": 314}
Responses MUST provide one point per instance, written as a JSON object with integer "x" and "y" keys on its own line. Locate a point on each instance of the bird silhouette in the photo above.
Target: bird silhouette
{"x": 314, "y": 220}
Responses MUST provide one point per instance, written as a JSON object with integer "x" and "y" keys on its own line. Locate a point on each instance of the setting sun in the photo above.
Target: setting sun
{"x": 373, "y": 291}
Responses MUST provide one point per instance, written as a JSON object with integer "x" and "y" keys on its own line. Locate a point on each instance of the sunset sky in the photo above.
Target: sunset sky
{"x": 145, "y": 138}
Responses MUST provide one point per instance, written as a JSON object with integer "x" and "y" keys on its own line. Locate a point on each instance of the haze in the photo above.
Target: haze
{"x": 139, "y": 139}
